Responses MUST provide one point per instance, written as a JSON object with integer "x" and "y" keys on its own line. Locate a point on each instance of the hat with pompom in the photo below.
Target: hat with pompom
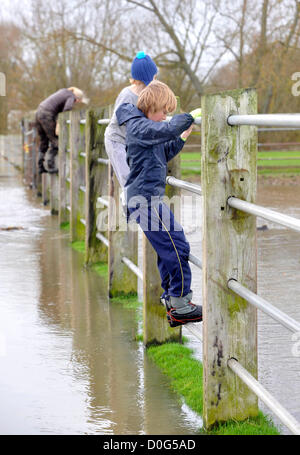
{"x": 143, "y": 68}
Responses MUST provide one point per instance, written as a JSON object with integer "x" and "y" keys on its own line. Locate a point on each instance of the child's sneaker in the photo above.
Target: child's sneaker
{"x": 175, "y": 319}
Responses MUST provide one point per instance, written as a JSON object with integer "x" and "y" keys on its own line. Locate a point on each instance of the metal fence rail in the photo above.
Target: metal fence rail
{"x": 263, "y": 212}
{"x": 132, "y": 267}
{"x": 170, "y": 180}
{"x": 280, "y": 120}
{"x": 102, "y": 239}
{"x": 265, "y": 396}
{"x": 264, "y": 305}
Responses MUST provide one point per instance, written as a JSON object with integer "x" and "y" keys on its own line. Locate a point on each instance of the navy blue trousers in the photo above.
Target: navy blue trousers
{"x": 168, "y": 240}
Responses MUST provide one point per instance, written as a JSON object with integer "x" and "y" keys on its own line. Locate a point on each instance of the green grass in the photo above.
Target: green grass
{"x": 186, "y": 374}
{"x": 78, "y": 245}
{"x": 65, "y": 226}
{"x": 265, "y": 166}
{"x": 101, "y": 268}
{"x": 129, "y": 301}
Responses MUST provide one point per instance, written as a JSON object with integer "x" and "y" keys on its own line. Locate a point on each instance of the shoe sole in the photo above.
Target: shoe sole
{"x": 173, "y": 322}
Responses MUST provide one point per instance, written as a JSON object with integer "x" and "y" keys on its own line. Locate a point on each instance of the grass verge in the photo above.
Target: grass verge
{"x": 186, "y": 374}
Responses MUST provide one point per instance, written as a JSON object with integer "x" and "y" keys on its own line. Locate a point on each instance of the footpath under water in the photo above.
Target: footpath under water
{"x": 68, "y": 360}
{"x": 69, "y": 363}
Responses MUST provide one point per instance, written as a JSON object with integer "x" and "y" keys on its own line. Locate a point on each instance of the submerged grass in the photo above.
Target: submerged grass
{"x": 101, "y": 268}
{"x": 78, "y": 245}
{"x": 129, "y": 301}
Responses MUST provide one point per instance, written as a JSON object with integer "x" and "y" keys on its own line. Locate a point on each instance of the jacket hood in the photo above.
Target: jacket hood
{"x": 126, "y": 112}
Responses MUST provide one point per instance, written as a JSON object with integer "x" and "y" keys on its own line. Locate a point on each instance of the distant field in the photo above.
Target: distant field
{"x": 272, "y": 162}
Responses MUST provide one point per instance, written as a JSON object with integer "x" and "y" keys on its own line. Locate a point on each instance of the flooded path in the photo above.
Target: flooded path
{"x": 68, "y": 360}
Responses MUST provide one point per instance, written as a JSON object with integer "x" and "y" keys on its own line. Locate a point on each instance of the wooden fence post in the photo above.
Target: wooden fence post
{"x": 156, "y": 326}
{"x": 123, "y": 241}
{"x": 229, "y": 251}
{"x": 96, "y": 185}
{"x": 63, "y": 156}
{"x": 45, "y": 188}
{"x": 77, "y": 176}
{"x": 54, "y": 194}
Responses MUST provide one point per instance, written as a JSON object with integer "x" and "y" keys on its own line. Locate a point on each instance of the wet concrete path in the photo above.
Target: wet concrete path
{"x": 68, "y": 360}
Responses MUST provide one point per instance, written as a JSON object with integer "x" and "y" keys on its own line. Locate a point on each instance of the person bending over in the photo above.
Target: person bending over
{"x": 46, "y": 117}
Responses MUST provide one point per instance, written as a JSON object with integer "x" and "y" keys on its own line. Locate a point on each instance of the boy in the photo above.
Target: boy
{"x": 143, "y": 70}
{"x": 151, "y": 143}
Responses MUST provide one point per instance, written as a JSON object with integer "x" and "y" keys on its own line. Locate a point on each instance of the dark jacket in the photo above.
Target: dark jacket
{"x": 149, "y": 146}
{"x": 60, "y": 101}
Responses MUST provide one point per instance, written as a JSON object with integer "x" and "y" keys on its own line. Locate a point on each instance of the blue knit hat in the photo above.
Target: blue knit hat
{"x": 143, "y": 68}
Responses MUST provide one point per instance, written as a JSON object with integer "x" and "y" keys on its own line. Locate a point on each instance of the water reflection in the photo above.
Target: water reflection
{"x": 70, "y": 363}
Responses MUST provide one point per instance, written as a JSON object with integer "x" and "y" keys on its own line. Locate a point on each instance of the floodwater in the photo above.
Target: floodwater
{"x": 68, "y": 360}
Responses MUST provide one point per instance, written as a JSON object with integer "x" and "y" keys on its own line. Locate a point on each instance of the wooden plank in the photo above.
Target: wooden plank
{"x": 96, "y": 177}
{"x": 229, "y": 251}
{"x": 63, "y": 156}
{"x": 77, "y": 230}
{"x": 122, "y": 242}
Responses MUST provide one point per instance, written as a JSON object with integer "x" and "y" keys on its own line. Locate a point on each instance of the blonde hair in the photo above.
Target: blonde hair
{"x": 79, "y": 94}
{"x": 155, "y": 97}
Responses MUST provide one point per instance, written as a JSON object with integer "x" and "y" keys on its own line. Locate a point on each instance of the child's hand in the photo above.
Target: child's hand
{"x": 186, "y": 133}
{"x": 196, "y": 113}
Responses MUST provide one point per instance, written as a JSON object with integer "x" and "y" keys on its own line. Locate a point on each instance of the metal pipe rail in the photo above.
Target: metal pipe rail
{"x": 283, "y": 120}
{"x": 263, "y": 212}
{"x": 103, "y": 201}
{"x": 103, "y": 161}
{"x": 196, "y": 261}
{"x": 102, "y": 239}
{"x": 132, "y": 267}
{"x": 265, "y": 396}
{"x": 82, "y": 188}
{"x": 262, "y": 130}
{"x": 170, "y": 180}
{"x": 105, "y": 121}
{"x": 264, "y": 305}
{"x": 82, "y": 221}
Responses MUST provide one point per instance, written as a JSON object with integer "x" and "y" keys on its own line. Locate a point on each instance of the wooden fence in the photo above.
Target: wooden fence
{"x": 87, "y": 195}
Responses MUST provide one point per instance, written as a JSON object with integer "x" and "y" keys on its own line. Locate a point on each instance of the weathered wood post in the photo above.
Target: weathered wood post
{"x": 77, "y": 175}
{"x": 123, "y": 242}
{"x": 45, "y": 188}
{"x": 54, "y": 194}
{"x": 156, "y": 326}
{"x": 63, "y": 157}
{"x": 229, "y": 251}
{"x": 96, "y": 175}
